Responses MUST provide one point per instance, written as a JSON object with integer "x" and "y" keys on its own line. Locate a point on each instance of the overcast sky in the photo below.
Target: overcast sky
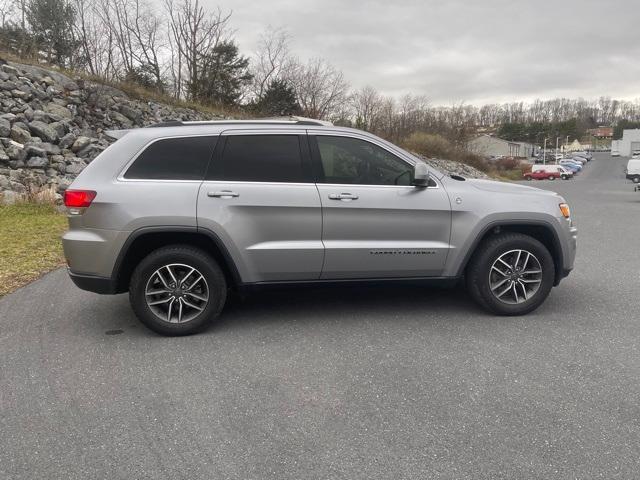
{"x": 471, "y": 51}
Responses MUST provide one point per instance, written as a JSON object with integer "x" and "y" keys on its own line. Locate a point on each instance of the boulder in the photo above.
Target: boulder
{"x": 80, "y": 143}
{"x": 67, "y": 141}
{"x": 34, "y": 151}
{"x": 44, "y": 131}
{"x": 58, "y": 110}
{"x": 5, "y": 127}
{"x": 75, "y": 167}
{"x": 15, "y": 151}
{"x": 37, "y": 162}
{"x": 120, "y": 119}
{"x": 21, "y": 94}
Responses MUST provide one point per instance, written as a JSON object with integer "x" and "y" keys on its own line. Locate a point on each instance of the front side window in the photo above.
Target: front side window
{"x": 353, "y": 161}
{"x": 260, "y": 158}
{"x": 173, "y": 159}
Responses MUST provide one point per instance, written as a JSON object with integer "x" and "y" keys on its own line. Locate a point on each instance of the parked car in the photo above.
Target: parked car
{"x": 615, "y": 153}
{"x": 633, "y": 170}
{"x": 558, "y": 156}
{"x": 580, "y": 160}
{"x": 635, "y": 154}
{"x": 570, "y": 165}
{"x": 179, "y": 213}
{"x": 586, "y": 155}
{"x": 548, "y": 172}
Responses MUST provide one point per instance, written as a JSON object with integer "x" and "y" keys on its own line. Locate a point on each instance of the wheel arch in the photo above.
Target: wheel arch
{"x": 145, "y": 240}
{"x": 538, "y": 229}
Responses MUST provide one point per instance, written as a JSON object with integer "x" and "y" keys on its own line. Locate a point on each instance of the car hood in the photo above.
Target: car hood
{"x": 506, "y": 187}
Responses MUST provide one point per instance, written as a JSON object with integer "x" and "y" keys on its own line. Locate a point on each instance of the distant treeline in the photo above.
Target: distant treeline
{"x": 183, "y": 49}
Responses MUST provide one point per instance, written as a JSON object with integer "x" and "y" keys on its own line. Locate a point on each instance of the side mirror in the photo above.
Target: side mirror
{"x": 420, "y": 175}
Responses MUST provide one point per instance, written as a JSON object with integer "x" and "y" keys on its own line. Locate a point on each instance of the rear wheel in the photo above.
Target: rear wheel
{"x": 510, "y": 274}
{"x": 636, "y": 179}
{"x": 552, "y": 177}
{"x": 177, "y": 290}
{"x": 528, "y": 177}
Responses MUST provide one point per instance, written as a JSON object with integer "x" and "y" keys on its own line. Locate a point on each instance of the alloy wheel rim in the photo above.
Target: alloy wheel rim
{"x": 515, "y": 277}
{"x": 177, "y": 293}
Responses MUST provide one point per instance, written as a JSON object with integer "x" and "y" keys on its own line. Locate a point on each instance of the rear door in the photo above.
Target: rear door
{"x": 375, "y": 223}
{"x": 259, "y": 198}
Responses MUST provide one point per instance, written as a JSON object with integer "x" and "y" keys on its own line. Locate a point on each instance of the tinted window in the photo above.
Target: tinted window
{"x": 173, "y": 159}
{"x": 350, "y": 160}
{"x": 261, "y": 158}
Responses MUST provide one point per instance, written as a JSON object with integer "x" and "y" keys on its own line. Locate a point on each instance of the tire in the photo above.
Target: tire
{"x": 551, "y": 177}
{"x": 201, "y": 299}
{"x": 528, "y": 177}
{"x": 636, "y": 180}
{"x": 565, "y": 177}
{"x": 481, "y": 277}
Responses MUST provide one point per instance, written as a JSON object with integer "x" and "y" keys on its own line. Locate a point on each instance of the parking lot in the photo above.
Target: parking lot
{"x": 351, "y": 382}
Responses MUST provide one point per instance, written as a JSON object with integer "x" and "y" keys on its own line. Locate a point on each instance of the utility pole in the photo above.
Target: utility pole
{"x": 544, "y": 152}
{"x": 557, "y": 139}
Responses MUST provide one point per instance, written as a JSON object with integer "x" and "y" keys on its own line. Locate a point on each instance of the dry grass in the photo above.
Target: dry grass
{"x": 29, "y": 243}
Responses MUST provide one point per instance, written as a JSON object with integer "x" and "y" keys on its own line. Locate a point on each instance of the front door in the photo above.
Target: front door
{"x": 375, "y": 223}
{"x": 260, "y": 199}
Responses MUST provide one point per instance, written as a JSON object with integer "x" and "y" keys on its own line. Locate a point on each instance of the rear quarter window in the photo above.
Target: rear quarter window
{"x": 261, "y": 158}
{"x": 183, "y": 158}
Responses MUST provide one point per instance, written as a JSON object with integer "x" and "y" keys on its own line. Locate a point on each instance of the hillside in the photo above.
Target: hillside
{"x": 51, "y": 127}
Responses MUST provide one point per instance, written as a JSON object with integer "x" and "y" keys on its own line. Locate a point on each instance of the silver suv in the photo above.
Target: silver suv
{"x": 181, "y": 212}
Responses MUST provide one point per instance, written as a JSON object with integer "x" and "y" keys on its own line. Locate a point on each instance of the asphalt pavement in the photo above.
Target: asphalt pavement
{"x": 379, "y": 382}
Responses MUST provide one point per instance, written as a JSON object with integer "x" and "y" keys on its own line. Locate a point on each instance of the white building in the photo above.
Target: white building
{"x": 490, "y": 146}
{"x": 576, "y": 146}
{"x": 630, "y": 141}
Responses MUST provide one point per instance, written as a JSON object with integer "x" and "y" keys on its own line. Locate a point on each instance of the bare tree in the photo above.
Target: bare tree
{"x": 320, "y": 88}
{"x": 367, "y": 104}
{"x": 95, "y": 39}
{"x": 7, "y": 10}
{"x": 195, "y": 33}
{"x": 269, "y": 60}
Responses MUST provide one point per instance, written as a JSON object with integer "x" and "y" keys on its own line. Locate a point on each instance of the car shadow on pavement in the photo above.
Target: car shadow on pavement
{"x": 344, "y": 303}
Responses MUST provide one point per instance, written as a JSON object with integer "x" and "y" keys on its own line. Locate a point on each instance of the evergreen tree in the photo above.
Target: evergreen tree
{"x": 52, "y": 23}
{"x": 223, "y": 75}
{"x": 279, "y": 99}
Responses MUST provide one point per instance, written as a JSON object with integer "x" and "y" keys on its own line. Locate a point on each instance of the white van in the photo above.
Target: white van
{"x": 633, "y": 170}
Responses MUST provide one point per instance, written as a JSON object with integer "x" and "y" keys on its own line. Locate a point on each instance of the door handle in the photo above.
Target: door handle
{"x": 223, "y": 194}
{"x": 342, "y": 196}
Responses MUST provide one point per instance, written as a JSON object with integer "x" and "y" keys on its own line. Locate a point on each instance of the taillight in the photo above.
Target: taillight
{"x": 78, "y": 198}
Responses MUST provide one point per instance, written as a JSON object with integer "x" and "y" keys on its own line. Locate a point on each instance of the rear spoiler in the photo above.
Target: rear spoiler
{"x": 116, "y": 134}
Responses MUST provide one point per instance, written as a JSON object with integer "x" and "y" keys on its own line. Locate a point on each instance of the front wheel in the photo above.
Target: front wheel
{"x": 177, "y": 290}
{"x": 510, "y": 274}
{"x": 636, "y": 179}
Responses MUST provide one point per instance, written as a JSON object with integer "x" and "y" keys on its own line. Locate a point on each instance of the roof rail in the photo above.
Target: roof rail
{"x": 275, "y": 120}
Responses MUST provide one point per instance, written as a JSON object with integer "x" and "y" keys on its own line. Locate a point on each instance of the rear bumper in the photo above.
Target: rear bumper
{"x": 92, "y": 283}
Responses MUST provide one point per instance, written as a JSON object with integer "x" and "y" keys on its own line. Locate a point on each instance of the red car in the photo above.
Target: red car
{"x": 549, "y": 173}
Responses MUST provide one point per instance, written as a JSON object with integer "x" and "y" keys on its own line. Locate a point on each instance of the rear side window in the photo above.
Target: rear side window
{"x": 260, "y": 158}
{"x": 173, "y": 159}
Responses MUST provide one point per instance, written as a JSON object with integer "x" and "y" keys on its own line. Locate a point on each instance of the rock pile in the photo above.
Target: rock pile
{"x": 51, "y": 126}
